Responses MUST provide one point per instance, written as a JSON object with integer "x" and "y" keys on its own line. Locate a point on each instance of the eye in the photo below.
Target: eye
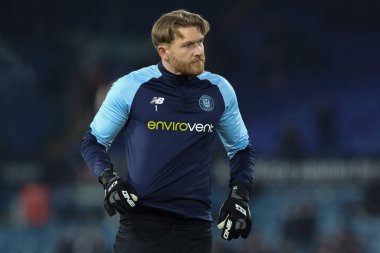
{"x": 198, "y": 43}
{"x": 188, "y": 45}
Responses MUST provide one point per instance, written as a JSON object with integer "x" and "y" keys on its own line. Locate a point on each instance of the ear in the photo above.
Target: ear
{"x": 163, "y": 52}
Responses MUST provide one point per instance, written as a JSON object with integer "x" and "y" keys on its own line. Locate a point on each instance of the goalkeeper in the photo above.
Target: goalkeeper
{"x": 170, "y": 114}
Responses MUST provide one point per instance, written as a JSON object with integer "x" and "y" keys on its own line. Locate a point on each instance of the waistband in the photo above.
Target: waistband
{"x": 144, "y": 212}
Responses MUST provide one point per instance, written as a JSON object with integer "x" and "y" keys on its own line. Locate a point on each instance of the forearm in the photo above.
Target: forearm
{"x": 94, "y": 154}
{"x": 242, "y": 168}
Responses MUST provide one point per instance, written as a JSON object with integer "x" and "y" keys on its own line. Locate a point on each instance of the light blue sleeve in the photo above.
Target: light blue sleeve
{"x": 115, "y": 109}
{"x": 231, "y": 128}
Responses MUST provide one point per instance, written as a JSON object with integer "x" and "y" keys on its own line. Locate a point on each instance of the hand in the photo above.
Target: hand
{"x": 234, "y": 216}
{"x": 118, "y": 194}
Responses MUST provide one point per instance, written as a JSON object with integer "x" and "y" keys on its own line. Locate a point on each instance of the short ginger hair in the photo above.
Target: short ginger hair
{"x": 165, "y": 29}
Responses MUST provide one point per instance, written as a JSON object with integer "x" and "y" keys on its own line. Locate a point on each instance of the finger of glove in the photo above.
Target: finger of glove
{"x": 228, "y": 229}
{"x": 241, "y": 224}
{"x": 128, "y": 199}
{"x": 130, "y": 189}
{"x": 235, "y": 233}
{"x": 236, "y": 228}
{"x": 222, "y": 222}
{"x": 246, "y": 231}
{"x": 113, "y": 197}
{"x": 123, "y": 201}
{"x": 119, "y": 209}
{"x": 119, "y": 203}
{"x": 109, "y": 208}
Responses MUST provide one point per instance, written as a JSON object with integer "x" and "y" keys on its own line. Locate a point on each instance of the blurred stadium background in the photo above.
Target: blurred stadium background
{"x": 307, "y": 75}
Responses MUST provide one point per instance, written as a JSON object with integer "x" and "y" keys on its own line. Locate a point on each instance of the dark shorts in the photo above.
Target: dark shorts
{"x": 158, "y": 233}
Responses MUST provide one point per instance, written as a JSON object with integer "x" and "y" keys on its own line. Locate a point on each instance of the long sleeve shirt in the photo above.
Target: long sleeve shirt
{"x": 170, "y": 123}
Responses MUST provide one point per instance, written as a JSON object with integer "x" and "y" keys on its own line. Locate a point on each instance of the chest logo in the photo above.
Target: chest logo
{"x": 206, "y": 103}
{"x": 157, "y": 101}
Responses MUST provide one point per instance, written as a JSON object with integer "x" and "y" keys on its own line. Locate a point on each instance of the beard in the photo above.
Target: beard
{"x": 193, "y": 68}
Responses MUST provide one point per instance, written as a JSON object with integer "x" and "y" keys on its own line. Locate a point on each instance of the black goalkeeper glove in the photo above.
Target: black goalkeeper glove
{"x": 118, "y": 194}
{"x": 234, "y": 216}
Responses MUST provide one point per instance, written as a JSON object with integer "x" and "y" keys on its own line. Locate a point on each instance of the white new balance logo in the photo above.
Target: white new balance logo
{"x": 157, "y": 100}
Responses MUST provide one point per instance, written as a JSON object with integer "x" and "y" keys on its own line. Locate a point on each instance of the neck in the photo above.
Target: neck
{"x": 170, "y": 68}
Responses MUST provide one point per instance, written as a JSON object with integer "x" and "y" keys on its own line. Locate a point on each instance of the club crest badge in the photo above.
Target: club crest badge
{"x": 206, "y": 103}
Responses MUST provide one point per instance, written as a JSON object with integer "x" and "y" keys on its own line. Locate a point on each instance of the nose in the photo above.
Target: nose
{"x": 198, "y": 49}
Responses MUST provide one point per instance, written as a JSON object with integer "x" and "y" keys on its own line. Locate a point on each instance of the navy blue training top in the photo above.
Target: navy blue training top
{"x": 170, "y": 122}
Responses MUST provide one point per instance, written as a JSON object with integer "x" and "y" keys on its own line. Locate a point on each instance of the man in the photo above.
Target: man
{"x": 170, "y": 114}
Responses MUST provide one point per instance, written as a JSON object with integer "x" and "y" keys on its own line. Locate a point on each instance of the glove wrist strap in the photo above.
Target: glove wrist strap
{"x": 240, "y": 191}
{"x": 106, "y": 176}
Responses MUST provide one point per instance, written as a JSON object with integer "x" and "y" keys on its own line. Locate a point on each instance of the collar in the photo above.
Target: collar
{"x": 169, "y": 75}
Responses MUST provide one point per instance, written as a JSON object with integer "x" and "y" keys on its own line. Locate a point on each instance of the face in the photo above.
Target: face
{"x": 185, "y": 55}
